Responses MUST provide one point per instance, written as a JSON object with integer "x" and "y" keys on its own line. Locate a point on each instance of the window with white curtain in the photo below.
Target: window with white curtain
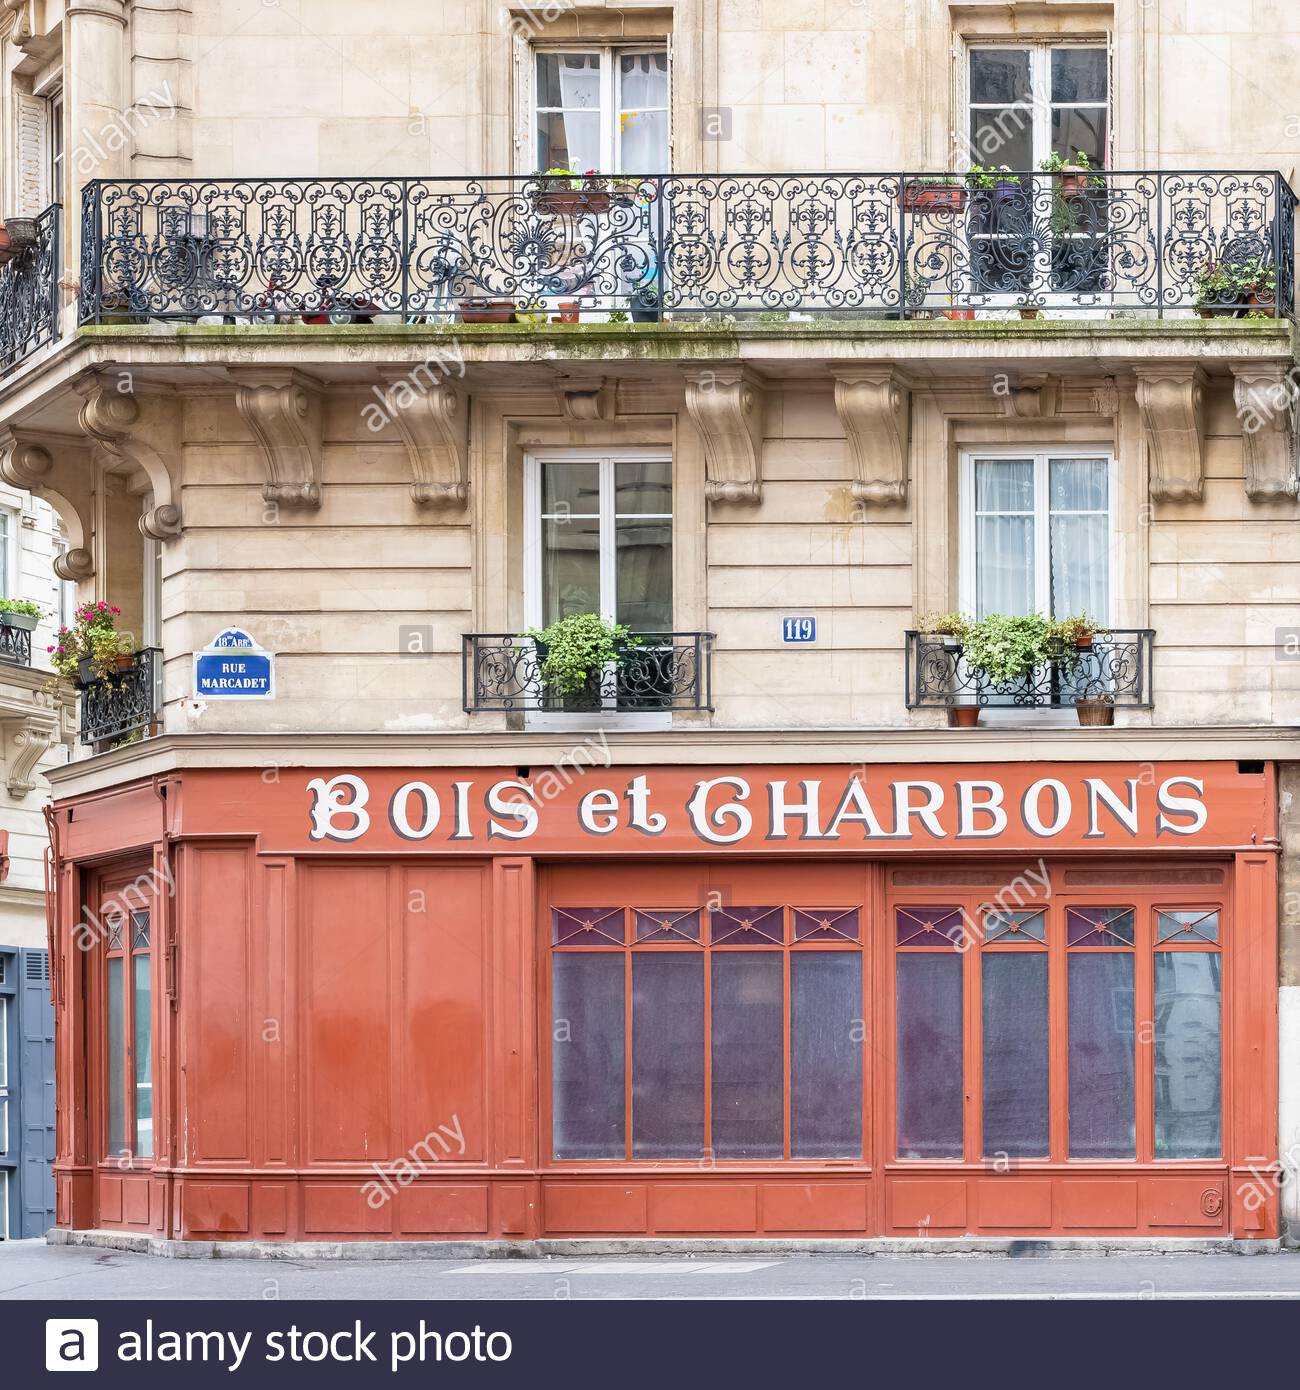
{"x": 602, "y": 108}
{"x": 8, "y": 556}
{"x": 1036, "y": 533}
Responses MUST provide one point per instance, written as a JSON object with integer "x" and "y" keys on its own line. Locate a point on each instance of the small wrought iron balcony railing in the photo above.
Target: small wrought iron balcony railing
{"x": 664, "y": 671}
{"x": 490, "y": 249}
{"x": 1116, "y": 667}
{"x": 125, "y": 705}
{"x": 29, "y": 287}
{"x": 16, "y": 638}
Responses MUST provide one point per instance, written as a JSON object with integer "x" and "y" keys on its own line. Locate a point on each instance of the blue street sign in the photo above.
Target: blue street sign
{"x": 798, "y": 629}
{"x": 234, "y": 667}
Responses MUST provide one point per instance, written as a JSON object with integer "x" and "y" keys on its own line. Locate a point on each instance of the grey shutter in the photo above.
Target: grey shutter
{"x": 33, "y": 121}
{"x": 35, "y": 1094}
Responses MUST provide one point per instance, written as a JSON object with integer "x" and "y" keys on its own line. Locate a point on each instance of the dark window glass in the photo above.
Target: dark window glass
{"x": 1079, "y": 74}
{"x": 1014, "y": 995}
{"x": 929, "y": 1055}
{"x": 999, "y": 74}
{"x": 826, "y": 1054}
{"x": 116, "y": 1056}
{"x": 1101, "y": 1075}
{"x": 587, "y": 1054}
{"x": 748, "y": 1055}
{"x": 668, "y": 1055}
{"x": 1189, "y": 1094}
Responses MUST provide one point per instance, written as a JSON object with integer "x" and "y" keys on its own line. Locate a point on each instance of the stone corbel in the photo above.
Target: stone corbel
{"x": 284, "y": 408}
{"x": 875, "y": 409}
{"x": 1265, "y": 397}
{"x": 29, "y": 740}
{"x": 137, "y": 433}
{"x": 434, "y": 426}
{"x": 1035, "y": 396}
{"x": 57, "y": 468}
{"x": 1171, "y": 401}
{"x": 726, "y": 406}
{"x": 582, "y": 398}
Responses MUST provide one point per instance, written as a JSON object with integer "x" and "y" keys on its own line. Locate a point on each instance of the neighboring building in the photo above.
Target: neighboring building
{"x": 363, "y": 931}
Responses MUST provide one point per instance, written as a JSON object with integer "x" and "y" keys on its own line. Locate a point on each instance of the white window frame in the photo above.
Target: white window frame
{"x": 151, "y": 609}
{"x": 9, "y": 572}
{"x": 611, "y": 99}
{"x": 1041, "y": 457}
{"x": 533, "y": 615}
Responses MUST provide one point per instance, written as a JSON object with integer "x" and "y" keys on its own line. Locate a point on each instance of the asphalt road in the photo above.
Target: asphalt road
{"x": 33, "y": 1270}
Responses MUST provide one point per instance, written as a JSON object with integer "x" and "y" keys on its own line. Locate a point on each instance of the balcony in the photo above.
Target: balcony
{"x": 125, "y": 706}
{"x": 666, "y": 671}
{"x": 1115, "y": 669}
{"x": 29, "y": 288}
{"x": 884, "y": 245}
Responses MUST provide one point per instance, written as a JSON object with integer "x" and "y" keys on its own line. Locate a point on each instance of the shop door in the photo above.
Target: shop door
{"x": 36, "y": 1094}
{"x": 123, "y": 1027}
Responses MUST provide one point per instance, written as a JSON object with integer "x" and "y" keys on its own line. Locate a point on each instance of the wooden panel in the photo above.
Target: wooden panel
{"x": 717, "y": 1205}
{"x": 1014, "y": 1203}
{"x": 425, "y": 1210}
{"x": 514, "y": 1208}
{"x": 274, "y": 1137}
{"x": 442, "y": 1029}
{"x": 1190, "y": 1201}
{"x": 513, "y": 1004}
{"x": 345, "y": 1209}
{"x": 109, "y": 1199}
{"x": 270, "y": 1209}
{"x": 922, "y": 1205}
{"x": 580, "y": 1208}
{"x": 346, "y": 1009}
{"x": 135, "y": 1200}
{"x": 215, "y": 951}
{"x": 214, "y": 1207}
{"x": 815, "y": 1206}
{"x": 1099, "y": 1203}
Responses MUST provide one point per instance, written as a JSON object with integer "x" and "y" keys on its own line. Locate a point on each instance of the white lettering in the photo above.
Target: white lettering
{"x": 329, "y": 803}
{"x": 1170, "y": 805}
{"x": 968, "y": 808}
{"x": 498, "y": 804}
{"x": 1102, "y": 794}
{"x": 925, "y": 813}
{"x": 598, "y": 811}
{"x": 1031, "y": 811}
{"x": 710, "y": 825}
{"x": 399, "y": 811}
{"x": 808, "y": 810}
{"x": 639, "y": 817}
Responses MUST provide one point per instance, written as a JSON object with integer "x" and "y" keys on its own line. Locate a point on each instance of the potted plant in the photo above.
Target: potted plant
{"x": 1005, "y": 648}
{"x": 963, "y": 716}
{"x": 570, "y": 311}
{"x": 487, "y": 311}
{"x": 932, "y": 193}
{"x": 17, "y": 615}
{"x": 565, "y": 192}
{"x": 1077, "y": 631}
{"x": 952, "y": 627}
{"x": 1072, "y": 178}
{"x": 573, "y": 653}
{"x": 17, "y": 234}
{"x": 1095, "y": 710}
{"x": 92, "y": 648}
{"x": 995, "y": 179}
{"x": 1028, "y": 309}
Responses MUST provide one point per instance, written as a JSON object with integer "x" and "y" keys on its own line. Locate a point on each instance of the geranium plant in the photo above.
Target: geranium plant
{"x": 573, "y": 648}
{"x": 93, "y": 639}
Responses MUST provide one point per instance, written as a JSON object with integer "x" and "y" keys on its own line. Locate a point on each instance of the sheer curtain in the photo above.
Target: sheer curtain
{"x": 1004, "y": 536}
{"x": 1078, "y": 502}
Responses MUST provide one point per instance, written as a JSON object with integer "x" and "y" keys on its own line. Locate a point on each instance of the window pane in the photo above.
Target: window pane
{"x": 999, "y": 74}
{"x": 1002, "y": 135}
{"x": 1004, "y": 485}
{"x": 1187, "y": 926}
{"x": 143, "y": 1060}
{"x": 116, "y": 1057}
{"x": 1187, "y": 1054}
{"x": 644, "y": 80}
{"x": 644, "y": 144}
{"x": 1078, "y": 485}
{"x": 571, "y": 488}
{"x": 826, "y": 1054}
{"x": 1102, "y": 1104}
{"x": 643, "y": 488}
{"x": 570, "y": 568}
{"x": 569, "y": 80}
{"x": 928, "y": 1048}
{"x": 668, "y": 1056}
{"x": 1079, "y": 74}
{"x": 587, "y": 1062}
{"x": 748, "y": 1055}
{"x": 1080, "y": 566}
{"x": 1077, "y": 128}
{"x": 568, "y": 140}
{"x": 1004, "y": 565}
{"x": 1014, "y": 989}
{"x": 644, "y": 574}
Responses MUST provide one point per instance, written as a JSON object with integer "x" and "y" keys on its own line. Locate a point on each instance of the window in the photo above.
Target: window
{"x": 1036, "y": 534}
{"x": 680, "y": 1033}
{"x": 128, "y": 1042}
{"x": 8, "y": 556}
{"x": 55, "y": 101}
{"x": 603, "y": 109}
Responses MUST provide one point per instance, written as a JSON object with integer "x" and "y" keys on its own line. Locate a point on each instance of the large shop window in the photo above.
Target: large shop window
{"x": 128, "y": 1035}
{"x": 602, "y": 108}
{"x": 1036, "y": 533}
{"x": 1134, "y": 991}
{"x": 679, "y": 1033}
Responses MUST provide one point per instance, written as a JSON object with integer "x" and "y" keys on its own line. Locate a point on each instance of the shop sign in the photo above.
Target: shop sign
{"x": 234, "y": 667}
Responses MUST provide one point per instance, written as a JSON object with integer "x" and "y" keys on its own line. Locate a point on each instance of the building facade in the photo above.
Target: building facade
{"x": 769, "y": 332}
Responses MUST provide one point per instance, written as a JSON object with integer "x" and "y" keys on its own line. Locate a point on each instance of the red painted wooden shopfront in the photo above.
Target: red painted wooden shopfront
{"x": 670, "y": 1001}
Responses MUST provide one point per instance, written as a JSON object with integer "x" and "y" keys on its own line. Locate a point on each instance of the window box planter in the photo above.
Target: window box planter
{"x": 923, "y": 198}
{"x": 572, "y": 202}
{"x": 16, "y": 637}
{"x": 487, "y": 311}
{"x": 17, "y": 234}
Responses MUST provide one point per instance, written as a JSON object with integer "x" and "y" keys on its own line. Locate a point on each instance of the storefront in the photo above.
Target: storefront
{"x": 799, "y": 1001}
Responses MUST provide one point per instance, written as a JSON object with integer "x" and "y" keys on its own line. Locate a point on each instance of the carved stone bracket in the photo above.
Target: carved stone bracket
{"x": 57, "y": 468}
{"x": 1171, "y": 400}
{"x": 434, "y": 426}
{"x": 875, "y": 409}
{"x": 28, "y": 742}
{"x": 283, "y": 408}
{"x": 726, "y": 406}
{"x": 1033, "y": 396}
{"x": 585, "y": 398}
{"x": 1266, "y": 400}
{"x": 138, "y": 433}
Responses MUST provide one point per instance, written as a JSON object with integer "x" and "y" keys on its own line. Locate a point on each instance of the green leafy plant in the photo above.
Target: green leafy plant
{"x": 573, "y": 648}
{"x": 1058, "y": 164}
{"x": 589, "y": 180}
{"x": 1008, "y": 648}
{"x": 945, "y": 625}
{"x": 1074, "y": 630}
{"x": 93, "y": 637}
{"x": 990, "y": 175}
{"x": 617, "y": 316}
{"x": 23, "y": 606}
{"x": 1228, "y": 283}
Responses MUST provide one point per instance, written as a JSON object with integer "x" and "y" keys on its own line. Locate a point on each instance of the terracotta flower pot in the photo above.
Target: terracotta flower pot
{"x": 570, "y": 311}
{"x": 487, "y": 311}
{"x": 571, "y": 202}
{"x": 932, "y": 197}
{"x": 1084, "y": 643}
{"x": 1094, "y": 713}
{"x": 964, "y": 315}
{"x": 963, "y": 716}
{"x": 1074, "y": 180}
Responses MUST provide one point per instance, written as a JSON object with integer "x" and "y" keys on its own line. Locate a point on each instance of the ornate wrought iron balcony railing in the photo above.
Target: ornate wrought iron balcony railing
{"x": 665, "y": 671}
{"x": 1117, "y": 665}
{"x": 16, "y": 642}
{"x": 29, "y": 292}
{"x": 868, "y": 245}
{"x": 124, "y": 705}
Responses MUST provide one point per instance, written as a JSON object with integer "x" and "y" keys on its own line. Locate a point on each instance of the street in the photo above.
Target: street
{"x": 32, "y": 1270}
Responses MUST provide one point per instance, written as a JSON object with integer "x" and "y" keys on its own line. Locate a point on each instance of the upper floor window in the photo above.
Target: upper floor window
{"x": 1027, "y": 102}
{"x": 603, "y": 109}
{"x": 1037, "y": 533}
{"x": 8, "y": 553}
